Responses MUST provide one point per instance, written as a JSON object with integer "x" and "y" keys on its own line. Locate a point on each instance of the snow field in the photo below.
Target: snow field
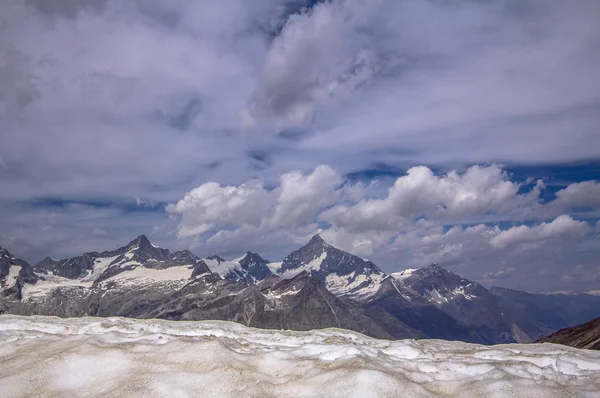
{"x": 120, "y": 357}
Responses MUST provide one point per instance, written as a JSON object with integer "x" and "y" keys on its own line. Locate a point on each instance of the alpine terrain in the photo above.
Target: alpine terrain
{"x": 317, "y": 286}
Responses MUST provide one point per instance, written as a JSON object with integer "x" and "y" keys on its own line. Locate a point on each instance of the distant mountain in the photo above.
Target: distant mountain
{"x": 580, "y": 336}
{"x": 546, "y": 313}
{"x": 466, "y": 301}
{"x": 316, "y": 286}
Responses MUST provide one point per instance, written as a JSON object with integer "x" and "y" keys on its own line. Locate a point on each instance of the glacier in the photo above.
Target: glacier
{"x": 117, "y": 357}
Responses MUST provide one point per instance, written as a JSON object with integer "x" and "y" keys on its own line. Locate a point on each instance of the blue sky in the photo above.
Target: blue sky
{"x": 406, "y": 132}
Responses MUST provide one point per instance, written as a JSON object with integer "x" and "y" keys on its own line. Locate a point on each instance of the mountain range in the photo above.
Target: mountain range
{"x": 316, "y": 286}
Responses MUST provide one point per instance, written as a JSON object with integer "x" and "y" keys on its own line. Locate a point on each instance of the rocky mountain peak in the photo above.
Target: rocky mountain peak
{"x": 141, "y": 242}
{"x": 323, "y": 260}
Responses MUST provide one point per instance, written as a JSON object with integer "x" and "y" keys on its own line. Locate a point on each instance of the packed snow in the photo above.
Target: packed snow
{"x": 54, "y": 357}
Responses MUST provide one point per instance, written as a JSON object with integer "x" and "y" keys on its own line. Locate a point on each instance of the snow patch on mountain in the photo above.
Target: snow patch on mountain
{"x": 223, "y": 268}
{"x": 50, "y": 282}
{"x": 153, "y": 358}
{"x": 141, "y": 274}
{"x": 13, "y": 274}
{"x": 403, "y": 274}
{"x": 313, "y": 265}
{"x": 359, "y": 286}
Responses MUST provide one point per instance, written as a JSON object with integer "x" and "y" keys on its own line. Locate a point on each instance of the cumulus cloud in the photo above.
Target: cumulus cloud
{"x": 563, "y": 227}
{"x": 582, "y": 194}
{"x": 479, "y": 190}
{"x": 292, "y": 204}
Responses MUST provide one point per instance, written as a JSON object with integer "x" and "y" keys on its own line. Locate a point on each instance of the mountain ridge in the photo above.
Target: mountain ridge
{"x": 316, "y": 286}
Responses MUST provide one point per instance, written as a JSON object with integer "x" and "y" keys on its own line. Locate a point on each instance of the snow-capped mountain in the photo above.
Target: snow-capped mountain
{"x": 343, "y": 273}
{"x": 466, "y": 301}
{"x": 316, "y": 286}
{"x": 138, "y": 254}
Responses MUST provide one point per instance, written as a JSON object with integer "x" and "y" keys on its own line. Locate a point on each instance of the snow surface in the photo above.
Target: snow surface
{"x": 13, "y": 274}
{"x": 51, "y": 282}
{"x": 117, "y": 357}
{"x": 360, "y": 287}
{"x": 274, "y": 266}
{"x": 100, "y": 265}
{"x": 225, "y": 267}
{"x": 143, "y": 274}
{"x": 403, "y": 274}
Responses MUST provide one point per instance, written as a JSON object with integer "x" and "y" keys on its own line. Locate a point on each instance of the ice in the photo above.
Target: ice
{"x": 117, "y": 357}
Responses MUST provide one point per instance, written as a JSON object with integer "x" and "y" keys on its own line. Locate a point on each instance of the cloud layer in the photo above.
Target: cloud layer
{"x": 112, "y": 109}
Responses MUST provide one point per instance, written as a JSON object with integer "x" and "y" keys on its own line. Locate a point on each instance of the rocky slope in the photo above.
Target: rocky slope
{"x": 580, "y": 336}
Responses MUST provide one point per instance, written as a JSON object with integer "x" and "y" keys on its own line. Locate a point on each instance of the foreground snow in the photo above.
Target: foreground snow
{"x": 125, "y": 357}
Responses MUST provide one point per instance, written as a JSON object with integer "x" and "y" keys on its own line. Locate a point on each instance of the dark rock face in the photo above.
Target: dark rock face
{"x": 255, "y": 267}
{"x": 580, "y": 336}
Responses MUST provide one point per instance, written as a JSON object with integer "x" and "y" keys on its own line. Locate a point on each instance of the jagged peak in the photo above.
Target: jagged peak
{"x": 253, "y": 255}
{"x": 140, "y": 239}
{"x": 317, "y": 239}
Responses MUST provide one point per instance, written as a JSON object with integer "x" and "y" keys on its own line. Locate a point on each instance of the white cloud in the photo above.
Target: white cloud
{"x": 582, "y": 194}
{"x": 563, "y": 227}
{"x": 420, "y": 193}
{"x": 292, "y": 204}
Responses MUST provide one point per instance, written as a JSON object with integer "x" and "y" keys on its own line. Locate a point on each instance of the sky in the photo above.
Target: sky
{"x": 465, "y": 133}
